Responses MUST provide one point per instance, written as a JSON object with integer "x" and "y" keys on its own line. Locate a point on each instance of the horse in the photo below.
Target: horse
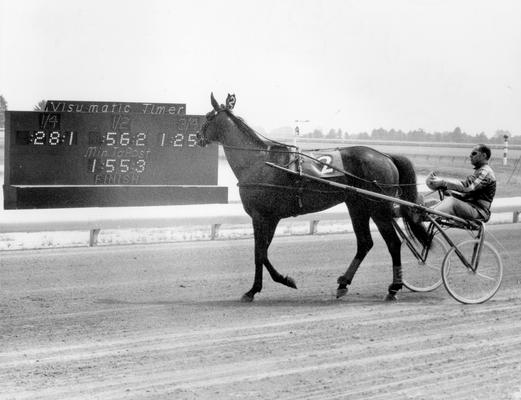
{"x": 269, "y": 194}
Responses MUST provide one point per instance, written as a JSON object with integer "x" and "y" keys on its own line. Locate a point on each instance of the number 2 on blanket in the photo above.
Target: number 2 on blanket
{"x": 326, "y": 169}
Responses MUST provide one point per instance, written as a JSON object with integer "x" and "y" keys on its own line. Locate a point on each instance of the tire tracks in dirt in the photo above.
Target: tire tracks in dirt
{"x": 153, "y": 339}
{"x": 448, "y": 345}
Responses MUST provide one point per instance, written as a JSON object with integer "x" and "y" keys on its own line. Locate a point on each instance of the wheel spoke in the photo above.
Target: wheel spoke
{"x": 491, "y": 278}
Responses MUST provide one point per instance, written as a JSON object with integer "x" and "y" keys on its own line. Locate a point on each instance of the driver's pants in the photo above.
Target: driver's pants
{"x": 459, "y": 208}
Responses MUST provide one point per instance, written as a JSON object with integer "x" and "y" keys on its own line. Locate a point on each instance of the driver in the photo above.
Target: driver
{"x": 470, "y": 198}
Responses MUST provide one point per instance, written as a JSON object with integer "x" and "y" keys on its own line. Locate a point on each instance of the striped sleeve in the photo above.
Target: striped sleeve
{"x": 471, "y": 183}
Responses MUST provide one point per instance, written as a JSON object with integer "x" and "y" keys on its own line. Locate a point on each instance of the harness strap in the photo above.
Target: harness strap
{"x": 301, "y": 188}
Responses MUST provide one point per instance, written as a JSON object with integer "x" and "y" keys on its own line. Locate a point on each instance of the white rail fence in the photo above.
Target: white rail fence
{"x": 93, "y": 220}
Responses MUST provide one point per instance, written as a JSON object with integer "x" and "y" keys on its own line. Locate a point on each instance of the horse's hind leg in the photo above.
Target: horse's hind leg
{"x": 364, "y": 243}
{"x": 393, "y": 242}
{"x": 263, "y": 232}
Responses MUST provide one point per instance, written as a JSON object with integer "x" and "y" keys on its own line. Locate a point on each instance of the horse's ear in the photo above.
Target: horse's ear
{"x": 230, "y": 101}
{"x": 215, "y": 105}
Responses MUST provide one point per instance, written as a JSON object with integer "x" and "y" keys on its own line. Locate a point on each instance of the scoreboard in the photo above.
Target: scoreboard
{"x": 78, "y": 159}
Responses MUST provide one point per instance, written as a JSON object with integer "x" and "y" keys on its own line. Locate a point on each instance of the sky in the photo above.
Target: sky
{"x": 339, "y": 64}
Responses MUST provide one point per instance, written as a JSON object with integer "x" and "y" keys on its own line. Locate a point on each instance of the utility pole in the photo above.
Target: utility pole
{"x": 297, "y": 130}
{"x": 505, "y": 150}
{"x": 295, "y": 144}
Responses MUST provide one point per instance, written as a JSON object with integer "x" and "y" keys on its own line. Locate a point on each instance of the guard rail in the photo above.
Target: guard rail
{"x": 95, "y": 219}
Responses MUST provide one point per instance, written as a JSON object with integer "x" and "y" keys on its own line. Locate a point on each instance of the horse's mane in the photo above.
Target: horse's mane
{"x": 244, "y": 128}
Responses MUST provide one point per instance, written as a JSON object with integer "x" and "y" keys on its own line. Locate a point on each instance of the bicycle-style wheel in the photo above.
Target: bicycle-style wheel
{"x": 423, "y": 276}
{"x": 465, "y": 285}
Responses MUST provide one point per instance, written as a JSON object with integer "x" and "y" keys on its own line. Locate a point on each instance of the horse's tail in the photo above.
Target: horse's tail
{"x": 409, "y": 192}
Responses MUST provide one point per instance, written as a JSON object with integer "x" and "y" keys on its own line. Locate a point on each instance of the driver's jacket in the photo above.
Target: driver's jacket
{"x": 478, "y": 189}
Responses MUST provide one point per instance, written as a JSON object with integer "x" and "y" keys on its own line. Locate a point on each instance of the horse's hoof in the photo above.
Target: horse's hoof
{"x": 391, "y": 297}
{"x": 290, "y": 282}
{"x": 247, "y": 298}
{"x": 341, "y": 292}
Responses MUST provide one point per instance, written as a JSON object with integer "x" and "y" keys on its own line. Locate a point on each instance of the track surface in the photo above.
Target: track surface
{"x": 164, "y": 322}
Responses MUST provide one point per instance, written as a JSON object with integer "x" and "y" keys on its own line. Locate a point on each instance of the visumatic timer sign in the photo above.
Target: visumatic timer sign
{"x": 104, "y": 107}
{"x": 51, "y": 148}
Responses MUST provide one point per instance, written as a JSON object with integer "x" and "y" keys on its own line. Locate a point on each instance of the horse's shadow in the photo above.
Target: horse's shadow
{"x": 316, "y": 301}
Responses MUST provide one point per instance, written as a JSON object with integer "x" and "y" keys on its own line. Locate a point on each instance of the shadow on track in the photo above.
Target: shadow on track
{"x": 330, "y": 300}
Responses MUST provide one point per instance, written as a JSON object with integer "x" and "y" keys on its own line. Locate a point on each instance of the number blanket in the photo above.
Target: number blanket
{"x": 328, "y": 160}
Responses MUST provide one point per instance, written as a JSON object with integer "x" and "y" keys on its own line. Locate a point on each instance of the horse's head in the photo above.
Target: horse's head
{"x": 212, "y": 127}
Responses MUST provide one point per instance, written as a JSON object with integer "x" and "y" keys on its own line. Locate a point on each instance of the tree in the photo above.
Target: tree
{"x": 457, "y": 135}
{"x": 3, "y": 108}
{"x": 380, "y": 133}
{"x": 40, "y": 106}
{"x": 317, "y": 134}
{"x": 331, "y": 134}
{"x": 481, "y": 138}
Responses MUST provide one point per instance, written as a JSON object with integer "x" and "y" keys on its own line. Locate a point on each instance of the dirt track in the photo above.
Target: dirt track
{"x": 163, "y": 322}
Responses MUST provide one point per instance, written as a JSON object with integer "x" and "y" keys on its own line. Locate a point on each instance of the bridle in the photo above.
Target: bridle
{"x": 202, "y": 140}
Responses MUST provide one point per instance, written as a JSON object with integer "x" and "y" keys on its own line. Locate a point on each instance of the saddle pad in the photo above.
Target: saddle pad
{"x": 328, "y": 158}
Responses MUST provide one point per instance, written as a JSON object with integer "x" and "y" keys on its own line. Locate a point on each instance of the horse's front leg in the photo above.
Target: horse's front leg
{"x": 263, "y": 232}
{"x": 277, "y": 277}
{"x": 271, "y": 226}
{"x": 261, "y": 243}
{"x": 257, "y": 280}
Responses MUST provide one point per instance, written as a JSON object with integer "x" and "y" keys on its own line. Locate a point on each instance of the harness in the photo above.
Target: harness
{"x": 300, "y": 186}
{"x": 295, "y": 162}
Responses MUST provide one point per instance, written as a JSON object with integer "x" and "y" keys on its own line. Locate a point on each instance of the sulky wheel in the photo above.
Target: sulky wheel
{"x": 423, "y": 275}
{"x": 465, "y": 285}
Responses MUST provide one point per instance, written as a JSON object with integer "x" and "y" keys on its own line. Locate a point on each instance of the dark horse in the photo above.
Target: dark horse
{"x": 269, "y": 194}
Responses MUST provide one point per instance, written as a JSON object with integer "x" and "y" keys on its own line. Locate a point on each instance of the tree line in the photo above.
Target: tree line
{"x": 418, "y": 135}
